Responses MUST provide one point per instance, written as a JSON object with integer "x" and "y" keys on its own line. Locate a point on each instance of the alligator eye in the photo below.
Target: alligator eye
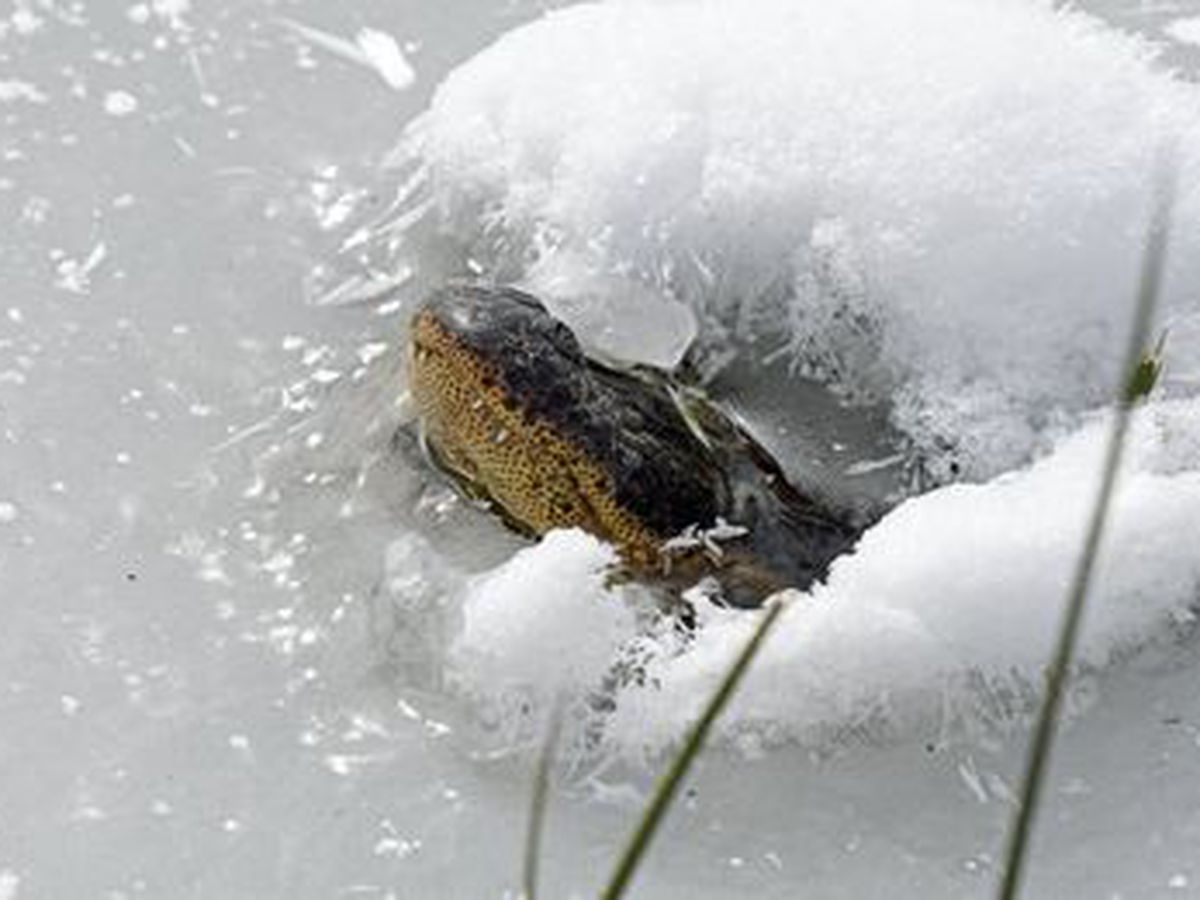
{"x": 562, "y": 335}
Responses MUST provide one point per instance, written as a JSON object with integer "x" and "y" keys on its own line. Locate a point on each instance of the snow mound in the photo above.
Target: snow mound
{"x": 539, "y": 628}
{"x": 939, "y": 624}
{"x": 952, "y": 601}
{"x": 936, "y": 203}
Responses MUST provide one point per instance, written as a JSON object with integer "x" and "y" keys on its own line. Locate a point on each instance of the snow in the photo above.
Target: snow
{"x": 371, "y": 48}
{"x": 519, "y": 640}
{"x": 120, "y": 103}
{"x": 902, "y": 635}
{"x": 949, "y": 600}
{"x": 1186, "y": 31}
{"x": 888, "y": 187}
{"x": 386, "y": 57}
{"x": 12, "y": 90}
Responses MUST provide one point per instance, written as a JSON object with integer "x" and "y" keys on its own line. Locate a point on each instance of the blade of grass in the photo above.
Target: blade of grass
{"x": 669, "y": 783}
{"x": 538, "y": 802}
{"x": 1135, "y": 384}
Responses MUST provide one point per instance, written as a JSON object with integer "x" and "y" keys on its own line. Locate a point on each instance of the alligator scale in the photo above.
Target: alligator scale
{"x": 511, "y": 407}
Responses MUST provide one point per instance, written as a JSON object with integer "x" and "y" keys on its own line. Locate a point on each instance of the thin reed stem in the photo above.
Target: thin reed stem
{"x": 1130, "y": 391}
{"x": 671, "y": 780}
{"x": 538, "y": 803}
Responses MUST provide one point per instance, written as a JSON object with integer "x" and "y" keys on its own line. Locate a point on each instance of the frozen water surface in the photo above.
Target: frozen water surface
{"x": 254, "y": 648}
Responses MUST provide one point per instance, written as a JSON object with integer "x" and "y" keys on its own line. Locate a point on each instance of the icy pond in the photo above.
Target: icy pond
{"x": 254, "y": 647}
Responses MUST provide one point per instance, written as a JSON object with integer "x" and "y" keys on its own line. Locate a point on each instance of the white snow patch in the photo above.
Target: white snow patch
{"x": 1186, "y": 31}
{"x": 12, "y": 90}
{"x": 371, "y": 48}
{"x": 75, "y": 275}
{"x": 120, "y": 103}
{"x": 172, "y": 12}
{"x": 384, "y": 55}
{"x": 542, "y": 625}
{"x": 24, "y": 20}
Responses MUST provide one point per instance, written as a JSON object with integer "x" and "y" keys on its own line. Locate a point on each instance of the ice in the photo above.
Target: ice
{"x": 890, "y": 188}
{"x": 615, "y": 317}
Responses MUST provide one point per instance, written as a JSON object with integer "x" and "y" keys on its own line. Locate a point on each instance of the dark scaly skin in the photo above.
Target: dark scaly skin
{"x": 512, "y": 407}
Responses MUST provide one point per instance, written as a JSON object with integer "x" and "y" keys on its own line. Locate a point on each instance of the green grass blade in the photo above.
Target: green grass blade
{"x": 538, "y": 803}
{"x": 1136, "y": 383}
{"x": 668, "y": 785}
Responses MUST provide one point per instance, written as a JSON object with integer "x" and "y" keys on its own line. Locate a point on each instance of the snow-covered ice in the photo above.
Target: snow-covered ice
{"x": 254, "y": 647}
